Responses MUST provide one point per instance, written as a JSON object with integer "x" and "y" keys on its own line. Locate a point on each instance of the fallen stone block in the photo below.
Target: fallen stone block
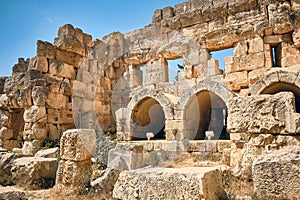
{"x": 105, "y": 183}
{"x": 125, "y": 157}
{"x": 78, "y": 144}
{"x": 170, "y": 183}
{"x": 48, "y": 153}
{"x": 34, "y": 173}
{"x": 276, "y": 174}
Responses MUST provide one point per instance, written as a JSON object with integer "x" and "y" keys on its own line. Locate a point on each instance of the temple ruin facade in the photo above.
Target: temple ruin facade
{"x": 122, "y": 84}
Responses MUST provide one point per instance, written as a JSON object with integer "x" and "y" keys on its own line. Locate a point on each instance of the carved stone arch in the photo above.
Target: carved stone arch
{"x": 215, "y": 87}
{"x": 164, "y": 100}
{"x": 149, "y": 110}
{"x": 285, "y": 77}
{"x": 204, "y": 108}
{"x": 278, "y": 81}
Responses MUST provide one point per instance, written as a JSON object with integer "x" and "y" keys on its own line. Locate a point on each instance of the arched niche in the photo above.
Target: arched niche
{"x": 147, "y": 117}
{"x": 205, "y": 115}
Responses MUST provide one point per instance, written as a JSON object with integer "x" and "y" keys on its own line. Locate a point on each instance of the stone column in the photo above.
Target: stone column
{"x": 76, "y": 150}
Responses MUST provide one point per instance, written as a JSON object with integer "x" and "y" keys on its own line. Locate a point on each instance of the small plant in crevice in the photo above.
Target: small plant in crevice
{"x": 50, "y": 143}
{"x": 174, "y": 132}
{"x": 20, "y": 138}
{"x": 6, "y": 180}
{"x": 186, "y": 143}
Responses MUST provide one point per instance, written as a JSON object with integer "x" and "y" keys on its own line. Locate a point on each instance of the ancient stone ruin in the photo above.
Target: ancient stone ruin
{"x": 209, "y": 131}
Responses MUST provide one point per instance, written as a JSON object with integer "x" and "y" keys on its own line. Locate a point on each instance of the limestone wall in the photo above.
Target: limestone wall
{"x": 80, "y": 82}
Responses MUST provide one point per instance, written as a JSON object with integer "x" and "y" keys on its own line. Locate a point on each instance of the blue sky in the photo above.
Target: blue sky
{"x": 23, "y": 22}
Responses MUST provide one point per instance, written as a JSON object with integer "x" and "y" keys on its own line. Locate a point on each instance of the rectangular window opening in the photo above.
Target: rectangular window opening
{"x": 224, "y": 60}
{"x": 275, "y": 54}
{"x": 143, "y": 69}
{"x": 175, "y": 67}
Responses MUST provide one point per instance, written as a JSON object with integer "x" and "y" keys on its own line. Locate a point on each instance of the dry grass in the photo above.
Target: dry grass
{"x": 57, "y": 193}
{"x": 194, "y": 160}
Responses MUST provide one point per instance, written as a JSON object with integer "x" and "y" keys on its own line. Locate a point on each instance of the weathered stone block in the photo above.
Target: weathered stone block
{"x": 237, "y": 79}
{"x": 157, "y": 16}
{"x": 156, "y": 71}
{"x": 42, "y": 64}
{"x": 45, "y": 49}
{"x": 154, "y": 183}
{"x": 168, "y": 12}
{"x": 125, "y": 157}
{"x": 296, "y": 37}
{"x": 34, "y": 173}
{"x": 3, "y": 116}
{"x": 262, "y": 114}
{"x": 31, "y": 147}
{"x": 69, "y": 43}
{"x": 78, "y": 144}
{"x": 228, "y": 61}
{"x": 13, "y": 195}
{"x": 240, "y": 49}
{"x": 69, "y": 58}
{"x": 276, "y": 173}
{"x": 105, "y": 184}
{"x": 39, "y": 131}
{"x": 10, "y": 144}
{"x": 57, "y": 100}
{"x": 53, "y": 131}
{"x": 74, "y": 174}
{"x": 62, "y": 69}
{"x": 181, "y": 8}
{"x": 20, "y": 67}
{"x": 273, "y": 39}
{"x": 48, "y": 153}
{"x": 256, "y": 45}
{"x": 289, "y": 61}
{"x": 223, "y": 144}
{"x": 255, "y": 75}
{"x": 39, "y": 95}
{"x": 35, "y": 114}
{"x": 6, "y": 134}
{"x": 288, "y": 51}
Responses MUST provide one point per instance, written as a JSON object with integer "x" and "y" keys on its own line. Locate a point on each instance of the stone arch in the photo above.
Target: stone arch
{"x": 149, "y": 110}
{"x": 278, "y": 81}
{"x": 204, "y": 108}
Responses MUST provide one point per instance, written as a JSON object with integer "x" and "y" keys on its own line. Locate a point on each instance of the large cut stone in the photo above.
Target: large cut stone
{"x": 74, "y": 174}
{"x": 12, "y": 195}
{"x": 262, "y": 114}
{"x": 105, "y": 183}
{"x": 277, "y": 173}
{"x": 34, "y": 172}
{"x": 170, "y": 183}
{"x": 78, "y": 144}
{"x": 125, "y": 157}
{"x": 48, "y": 153}
{"x": 6, "y": 161}
{"x": 35, "y": 114}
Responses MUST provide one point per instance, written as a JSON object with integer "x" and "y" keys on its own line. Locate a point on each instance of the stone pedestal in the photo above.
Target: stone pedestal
{"x": 76, "y": 150}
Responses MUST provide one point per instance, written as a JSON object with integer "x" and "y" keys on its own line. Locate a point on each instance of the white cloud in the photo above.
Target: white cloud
{"x": 50, "y": 20}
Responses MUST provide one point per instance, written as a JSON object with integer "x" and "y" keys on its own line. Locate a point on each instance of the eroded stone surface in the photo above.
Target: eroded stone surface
{"x": 262, "y": 114}
{"x": 34, "y": 173}
{"x": 276, "y": 173}
{"x": 78, "y": 82}
{"x": 75, "y": 167}
{"x": 154, "y": 183}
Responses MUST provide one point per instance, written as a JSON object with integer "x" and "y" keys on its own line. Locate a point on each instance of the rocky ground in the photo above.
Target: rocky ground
{"x": 15, "y": 193}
